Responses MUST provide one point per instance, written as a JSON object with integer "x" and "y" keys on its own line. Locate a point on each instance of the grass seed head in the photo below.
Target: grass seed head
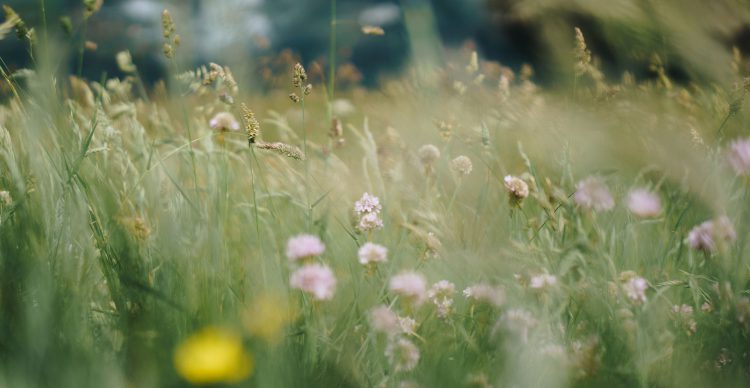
{"x": 299, "y": 76}
{"x": 252, "y": 126}
{"x": 284, "y": 149}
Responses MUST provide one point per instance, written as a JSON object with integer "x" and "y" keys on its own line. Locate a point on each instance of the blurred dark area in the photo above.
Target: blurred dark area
{"x": 245, "y": 34}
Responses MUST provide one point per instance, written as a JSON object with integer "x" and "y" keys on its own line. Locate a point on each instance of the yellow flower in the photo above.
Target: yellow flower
{"x": 213, "y": 355}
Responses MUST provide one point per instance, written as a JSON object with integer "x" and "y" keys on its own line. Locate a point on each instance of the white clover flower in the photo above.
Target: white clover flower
{"x": 684, "y": 316}
{"x": 370, "y": 222}
{"x": 368, "y": 208}
{"x": 516, "y": 187}
{"x": 635, "y": 287}
{"x": 441, "y": 289}
{"x": 701, "y": 237}
{"x": 428, "y": 154}
{"x": 644, "y": 203}
{"x": 542, "y": 282}
{"x": 738, "y": 156}
{"x": 441, "y": 295}
{"x": 705, "y": 236}
{"x": 315, "y": 279}
{"x": 462, "y": 165}
{"x": 682, "y": 309}
{"x": 371, "y": 253}
{"x": 485, "y": 293}
{"x": 384, "y": 320}
{"x": 410, "y": 286}
{"x": 224, "y": 121}
{"x": 593, "y": 194}
{"x": 304, "y": 246}
{"x": 408, "y": 325}
{"x": 367, "y": 204}
{"x": 402, "y": 354}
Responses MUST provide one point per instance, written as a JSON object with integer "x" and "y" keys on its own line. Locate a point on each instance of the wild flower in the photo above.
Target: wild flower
{"x": 644, "y": 203}
{"x": 368, "y": 208}
{"x": 402, "y": 354}
{"x": 684, "y": 317}
{"x": 384, "y": 320}
{"x": 441, "y": 295}
{"x": 428, "y": 155}
{"x": 706, "y": 236}
{"x": 517, "y": 188}
{"x": 634, "y": 286}
{"x": 461, "y": 165}
{"x": 370, "y": 253}
{"x": 213, "y": 356}
{"x": 701, "y": 237}
{"x": 224, "y": 121}
{"x": 370, "y": 222}
{"x": 304, "y": 246}
{"x": 738, "y": 156}
{"x": 407, "y": 325}
{"x": 593, "y": 194}
{"x": 367, "y": 204}
{"x": 486, "y": 293}
{"x": 542, "y": 282}
{"x": 315, "y": 279}
{"x": 410, "y": 286}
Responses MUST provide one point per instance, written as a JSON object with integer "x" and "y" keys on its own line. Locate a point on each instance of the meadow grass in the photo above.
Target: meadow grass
{"x": 151, "y": 238}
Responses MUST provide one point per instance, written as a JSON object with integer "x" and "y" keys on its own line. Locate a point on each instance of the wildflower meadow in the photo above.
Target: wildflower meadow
{"x": 460, "y": 224}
